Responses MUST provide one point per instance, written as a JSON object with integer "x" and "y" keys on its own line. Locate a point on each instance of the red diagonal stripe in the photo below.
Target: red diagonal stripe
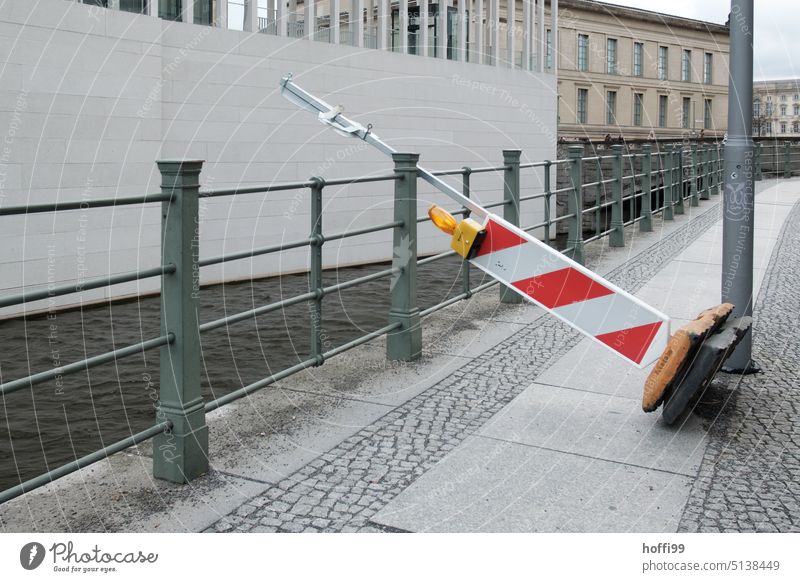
{"x": 632, "y": 342}
{"x": 561, "y": 287}
{"x": 498, "y": 238}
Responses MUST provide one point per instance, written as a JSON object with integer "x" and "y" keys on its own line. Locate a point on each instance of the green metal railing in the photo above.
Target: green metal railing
{"x": 658, "y": 181}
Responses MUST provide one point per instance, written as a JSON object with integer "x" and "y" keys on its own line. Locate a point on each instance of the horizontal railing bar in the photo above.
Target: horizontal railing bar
{"x": 533, "y": 196}
{"x": 496, "y": 204}
{"x": 562, "y": 190}
{"x": 362, "y": 179}
{"x": 255, "y": 386}
{"x": 534, "y": 165}
{"x": 84, "y": 204}
{"x": 254, "y": 252}
{"x": 457, "y": 298}
{"x": 434, "y": 258}
{"x": 426, "y": 218}
{"x": 365, "y": 230}
{"x": 361, "y": 280}
{"x": 94, "y": 283}
{"x": 562, "y": 218}
{"x": 362, "y": 340}
{"x": 535, "y": 226}
{"x": 297, "y": 185}
{"x": 85, "y": 364}
{"x": 242, "y": 315}
{"x": 84, "y": 461}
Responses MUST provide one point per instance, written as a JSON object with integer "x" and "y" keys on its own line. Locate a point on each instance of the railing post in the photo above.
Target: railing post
{"x": 575, "y": 203}
{"x": 180, "y": 454}
{"x": 547, "y": 165}
{"x": 704, "y": 162}
{"x": 405, "y": 343}
{"x": 315, "y": 270}
{"x": 787, "y": 159}
{"x": 719, "y": 169}
{"x": 693, "y": 190}
{"x": 757, "y": 150}
{"x": 669, "y": 178}
{"x": 679, "y": 182}
{"x": 646, "y": 223}
{"x": 617, "y": 236}
{"x": 465, "y": 190}
{"x": 511, "y": 208}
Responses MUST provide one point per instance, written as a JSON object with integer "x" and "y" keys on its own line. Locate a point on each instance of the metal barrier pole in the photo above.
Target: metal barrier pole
{"x": 787, "y": 159}
{"x": 669, "y": 178}
{"x": 617, "y": 236}
{"x": 315, "y": 274}
{"x": 405, "y": 343}
{"x": 693, "y": 190}
{"x": 575, "y": 203}
{"x": 465, "y": 190}
{"x": 180, "y": 454}
{"x": 646, "y": 224}
{"x": 678, "y": 195}
{"x": 511, "y": 208}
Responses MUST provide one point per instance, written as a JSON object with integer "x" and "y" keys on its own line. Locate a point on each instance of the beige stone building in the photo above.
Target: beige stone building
{"x": 636, "y": 73}
{"x": 776, "y": 108}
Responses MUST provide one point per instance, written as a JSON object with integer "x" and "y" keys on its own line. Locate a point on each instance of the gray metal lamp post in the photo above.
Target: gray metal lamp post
{"x": 737, "y": 237}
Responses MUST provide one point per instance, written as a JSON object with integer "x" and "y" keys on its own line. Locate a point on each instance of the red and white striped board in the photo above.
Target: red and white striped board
{"x": 615, "y": 319}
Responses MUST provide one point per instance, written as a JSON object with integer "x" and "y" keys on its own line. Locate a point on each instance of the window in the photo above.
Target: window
{"x": 549, "y": 53}
{"x": 137, "y": 6}
{"x": 686, "y": 66}
{"x": 583, "y": 52}
{"x": 796, "y": 97}
{"x": 708, "y": 118}
{"x": 638, "y": 57}
{"x": 796, "y": 109}
{"x": 768, "y": 128}
{"x": 783, "y": 128}
{"x": 757, "y": 107}
{"x": 685, "y": 112}
{"x": 783, "y": 110}
{"x": 583, "y": 98}
{"x": 708, "y": 68}
{"x": 768, "y": 110}
{"x": 638, "y": 105}
{"x": 796, "y": 127}
{"x": 783, "y": 97}
{"x": 663, "y": 103}
{"x": 611, "y": 54}
{"x": 170, "y": 9}
{"x": 663, "y": 55}
{"x": 611, "y": 107}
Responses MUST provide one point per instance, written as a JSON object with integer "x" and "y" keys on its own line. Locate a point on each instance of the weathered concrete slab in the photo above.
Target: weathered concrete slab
{"x": 494, "y": 486}
{"x": 599, "y": 426}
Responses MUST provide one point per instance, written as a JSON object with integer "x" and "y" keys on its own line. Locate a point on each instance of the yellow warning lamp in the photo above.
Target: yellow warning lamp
{"x": 467, "y": 234}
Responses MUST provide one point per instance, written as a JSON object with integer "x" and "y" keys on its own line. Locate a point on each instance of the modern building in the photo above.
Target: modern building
{"x": 776, "y": 108}
{"x": 637, "y": 74}
{"x": 93, "y": 93}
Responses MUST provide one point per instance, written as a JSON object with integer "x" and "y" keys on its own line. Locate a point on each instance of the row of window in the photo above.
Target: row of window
{"x": 638, "y": 60}
{"x": 638, "y": 109}
{"x": 766, "y": 128}
{"x": 768, "y": 109}
{"x": 167, "y": 9}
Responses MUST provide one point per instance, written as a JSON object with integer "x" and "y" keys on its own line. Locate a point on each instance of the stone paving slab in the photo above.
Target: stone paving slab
{"x": 599, "y": 426}
{"x": 496, "y": 486}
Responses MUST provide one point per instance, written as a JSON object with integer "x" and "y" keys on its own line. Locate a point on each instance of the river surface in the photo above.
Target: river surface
{"x": 58, "y": 421}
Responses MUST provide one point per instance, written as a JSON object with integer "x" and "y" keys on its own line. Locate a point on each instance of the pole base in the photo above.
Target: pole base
{"x": 751, "y": 368}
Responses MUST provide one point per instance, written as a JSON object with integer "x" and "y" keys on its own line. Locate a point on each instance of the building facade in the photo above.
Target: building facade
{"x": 638, "y": 74}
{"x": 776, "y": 108}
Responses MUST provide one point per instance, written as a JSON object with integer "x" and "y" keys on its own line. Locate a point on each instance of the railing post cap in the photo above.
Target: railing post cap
{"x": 576, "y": 151}
{"x": 405, "y": 157}
{"x": 185, "y": 166}
{"x": 512, "y": 155}
{"x": 617, "y": 148}
{"x": 647, "y": 148}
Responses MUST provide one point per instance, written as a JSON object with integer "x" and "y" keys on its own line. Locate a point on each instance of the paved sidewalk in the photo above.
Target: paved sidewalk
{"x": 542, "y": 432}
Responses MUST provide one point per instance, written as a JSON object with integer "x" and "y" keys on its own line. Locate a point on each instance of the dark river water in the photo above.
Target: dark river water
{"x": 56, "y": 422}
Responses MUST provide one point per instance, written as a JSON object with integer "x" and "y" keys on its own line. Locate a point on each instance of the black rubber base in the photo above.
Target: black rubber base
{"x": 705, "y": 365}
{"x": 751, "y": 368}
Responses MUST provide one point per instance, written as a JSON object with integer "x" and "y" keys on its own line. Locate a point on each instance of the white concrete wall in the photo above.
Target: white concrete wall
{"x": 90, "y": 98}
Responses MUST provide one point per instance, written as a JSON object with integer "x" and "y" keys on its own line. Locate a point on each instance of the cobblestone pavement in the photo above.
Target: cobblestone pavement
{"x": 749, "y": 479}
{"x": 341, "y": 489}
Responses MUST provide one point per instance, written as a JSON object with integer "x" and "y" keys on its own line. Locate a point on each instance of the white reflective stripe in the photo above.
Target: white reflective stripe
{"x": 520, "y": 262}
{"x": 657, "y": 346}
{"x": 606, "y": 314}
